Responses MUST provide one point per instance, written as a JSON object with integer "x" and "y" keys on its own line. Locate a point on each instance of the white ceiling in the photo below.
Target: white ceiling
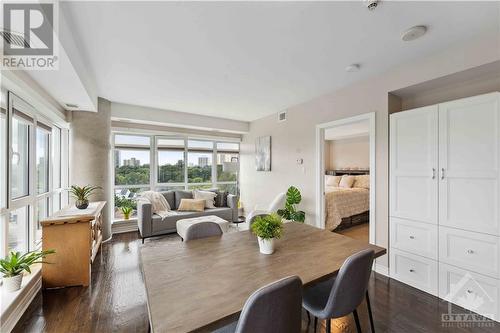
{"x": 352, "y": 130}
{"x": 243, "y": 60}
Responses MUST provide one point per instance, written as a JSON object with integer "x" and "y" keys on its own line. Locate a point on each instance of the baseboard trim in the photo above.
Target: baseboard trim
{"x": 124, "y": 226}
{"x": 381, "y": 269}
{"x": 15, "y": 311}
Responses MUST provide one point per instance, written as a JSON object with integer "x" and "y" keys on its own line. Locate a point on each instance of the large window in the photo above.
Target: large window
{"x": 171, "y": 163}
{"x": 37, "y": 173}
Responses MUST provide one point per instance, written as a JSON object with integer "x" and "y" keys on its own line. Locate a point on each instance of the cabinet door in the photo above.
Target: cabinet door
{"x": 469, "y": 149}
{"x": 413, "y": 164}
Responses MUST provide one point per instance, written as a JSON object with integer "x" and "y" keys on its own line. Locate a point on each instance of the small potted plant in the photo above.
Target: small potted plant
{"x": 126, "y": 211}
{"x": 13, "y": 266}
{"x": 267, "y": 228}
{"x": 82, "y": 194}
{"x": 290, "y": 212}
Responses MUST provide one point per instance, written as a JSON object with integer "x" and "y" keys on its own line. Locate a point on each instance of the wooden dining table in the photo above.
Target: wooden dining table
{"x": 203, "y": 284}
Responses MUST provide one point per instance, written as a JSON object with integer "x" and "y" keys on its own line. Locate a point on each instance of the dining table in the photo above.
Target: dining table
{"x": 201, "y": 285}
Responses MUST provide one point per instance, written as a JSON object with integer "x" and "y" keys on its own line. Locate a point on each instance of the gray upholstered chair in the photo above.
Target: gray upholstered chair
{"x": 275, "y": 308}
{"x": 202, "y": 230}
{"x": 277, "y": 203}
{"x": 339, "y": 296}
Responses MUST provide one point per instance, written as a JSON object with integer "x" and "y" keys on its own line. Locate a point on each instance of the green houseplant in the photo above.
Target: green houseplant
{"x": 13, "y": 266}
{"x": 126, "y": 210}
{"x": 290, "y": 212}
{"x": 267, "y": 228}
{"x": 82, "y": 194}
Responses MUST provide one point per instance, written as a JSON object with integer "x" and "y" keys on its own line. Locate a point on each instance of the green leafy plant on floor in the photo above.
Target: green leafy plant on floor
{"x": 268, "y": 226}
{"x": 126, "y": 210}
{"x": 15, "y": 263}
{"x": 290, "y": 212}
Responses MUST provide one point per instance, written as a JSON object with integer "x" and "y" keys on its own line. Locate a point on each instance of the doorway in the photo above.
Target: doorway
{"x": 345, "y": 176}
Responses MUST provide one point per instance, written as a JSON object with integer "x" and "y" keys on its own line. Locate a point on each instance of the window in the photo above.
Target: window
{"x": 35, "y": 172}
{"x": 42, "y": 159}
{"x": 19, "y": 162}
{"x": 171, "y": 160}
{"x": 175, "y": 163}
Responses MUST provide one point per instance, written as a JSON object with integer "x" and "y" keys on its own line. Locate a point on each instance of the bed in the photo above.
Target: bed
{"x": 346, "y": 205}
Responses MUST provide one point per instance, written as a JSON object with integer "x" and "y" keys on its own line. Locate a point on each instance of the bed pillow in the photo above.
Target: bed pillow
{"x": 208, "y": 196}
{"x": 192, "y": 205}
{"x": 332, "y": 180}
{"x": 346, "y": 181}
{"x": 362, "y": 181}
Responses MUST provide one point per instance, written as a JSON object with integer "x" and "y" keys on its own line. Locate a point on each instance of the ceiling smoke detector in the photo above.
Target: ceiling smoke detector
{"x": 371, "y": 4}
{"x": 352, "y": 68}
{"x": 414, "y": 33}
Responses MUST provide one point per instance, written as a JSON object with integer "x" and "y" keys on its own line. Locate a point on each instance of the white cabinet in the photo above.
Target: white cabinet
{"x": 413, "y": 164}
{"x": 445, "y": 199}
{"x": 469, "y": 151}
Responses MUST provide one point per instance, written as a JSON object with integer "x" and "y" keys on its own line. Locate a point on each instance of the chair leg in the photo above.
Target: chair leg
{"x": 142, "y": 240}
{"x": 308, "y": 318}
{"x": 372, "y": 325}
{"x": 328, "y": 325}
{"x": 356, "y": 319}
{"x": 315, "y": 323}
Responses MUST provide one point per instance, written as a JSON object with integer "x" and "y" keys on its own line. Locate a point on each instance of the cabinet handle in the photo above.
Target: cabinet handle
{"x": 412, "y": 237}
{"x": 469, "y": 291}
{"x": 470, "y": 251}
{"x": 442, "y": 173}
{"x": 412, "y": 270}
{"x": 433, "y": 173}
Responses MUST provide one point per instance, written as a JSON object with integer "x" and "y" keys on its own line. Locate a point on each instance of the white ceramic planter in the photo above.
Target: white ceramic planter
{"x": 12, "y": 283}
{"x": 266, "y": 246}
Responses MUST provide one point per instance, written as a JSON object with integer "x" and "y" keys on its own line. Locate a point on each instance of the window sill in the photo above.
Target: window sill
{"x": 15, "y": 303}
{"x": 118, "y": 221}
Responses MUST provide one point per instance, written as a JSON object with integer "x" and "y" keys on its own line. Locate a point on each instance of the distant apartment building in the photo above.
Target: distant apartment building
{"x": 203, "y": 161}
{"x": 133, "y": 162}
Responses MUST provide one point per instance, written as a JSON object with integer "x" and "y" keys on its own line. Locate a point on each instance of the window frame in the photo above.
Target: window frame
{"x": 154, "y": 183}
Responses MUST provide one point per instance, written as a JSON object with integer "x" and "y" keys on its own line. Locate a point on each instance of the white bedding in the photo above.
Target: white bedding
{"x": 344, "y": 202}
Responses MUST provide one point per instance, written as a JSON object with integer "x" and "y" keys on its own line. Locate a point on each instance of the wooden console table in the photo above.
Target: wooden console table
{"x": 76, "y": 236}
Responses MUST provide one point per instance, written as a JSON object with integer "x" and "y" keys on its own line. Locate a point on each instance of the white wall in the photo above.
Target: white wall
{"x": 348, "y": 153}
{"x": 295, "y": 138}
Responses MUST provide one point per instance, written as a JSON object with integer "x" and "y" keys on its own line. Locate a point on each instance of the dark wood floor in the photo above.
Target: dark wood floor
{"x": 116, "y": 301}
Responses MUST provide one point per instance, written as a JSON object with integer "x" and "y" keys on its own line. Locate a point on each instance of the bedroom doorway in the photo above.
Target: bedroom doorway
{"x": 345, "y": 176}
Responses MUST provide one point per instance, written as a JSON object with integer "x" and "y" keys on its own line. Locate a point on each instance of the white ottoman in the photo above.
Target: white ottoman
{"x": 184, "y": 224}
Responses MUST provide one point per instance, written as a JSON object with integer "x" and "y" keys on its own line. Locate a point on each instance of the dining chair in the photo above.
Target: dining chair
{"x": 274, "y": 308}
{"x": 341, "y": 295}
{"x": 202, "y": 230}
{"x": 277, "y": 203}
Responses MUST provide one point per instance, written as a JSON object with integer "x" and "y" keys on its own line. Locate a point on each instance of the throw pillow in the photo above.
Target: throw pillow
{"x": 179, "y": 195}
{"x": 192, "y": 205}
{"x": 346, "y": 181}
{"x": 220, "y": 198}
{"x": 208, "y": 196}
{"x": 332, "y": 180}
{"x": 362, "y": 181}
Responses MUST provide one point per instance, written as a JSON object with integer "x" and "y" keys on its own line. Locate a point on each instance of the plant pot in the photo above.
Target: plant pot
{"x": 126, "y": 216}
{"x": 266, "y": 246}
{"x": 12, "y": 283}
{"x": 81, "y": 204}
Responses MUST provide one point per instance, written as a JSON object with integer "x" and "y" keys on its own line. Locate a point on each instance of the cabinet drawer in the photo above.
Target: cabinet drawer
{"x": 469, "y": 250}
{"x": 414, "y": 237}
{"x": 417, "y": 271}
{"x": 469, "y": 290}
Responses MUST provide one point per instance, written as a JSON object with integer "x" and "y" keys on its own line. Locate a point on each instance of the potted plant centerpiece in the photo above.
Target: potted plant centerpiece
{"x": 82, "y": 194}
{"x": 267, "y": 228}
{"x": 290, "y": 212}
{"x": 126, "y": 211}
{"x": 13, "y": 266}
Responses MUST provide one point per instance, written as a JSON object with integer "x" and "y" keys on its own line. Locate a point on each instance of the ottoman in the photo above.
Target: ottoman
{"x": 184, "y": 224}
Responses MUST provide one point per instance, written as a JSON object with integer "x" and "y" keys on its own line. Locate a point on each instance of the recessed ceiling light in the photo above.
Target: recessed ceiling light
{"x": 352, "y": 68}
{"x": 414, "y": 33}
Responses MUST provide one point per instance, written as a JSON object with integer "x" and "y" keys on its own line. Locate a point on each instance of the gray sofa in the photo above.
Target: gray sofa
{"x": 153, "y": 225}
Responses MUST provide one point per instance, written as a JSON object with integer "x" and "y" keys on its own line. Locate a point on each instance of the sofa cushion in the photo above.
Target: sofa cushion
{"x": 192, "y": 205}
{"x": 179, "y": 195}
{"x": 170, "y": 196}
{"x": 221, "y": 198}
{"x": 208, "y": 196}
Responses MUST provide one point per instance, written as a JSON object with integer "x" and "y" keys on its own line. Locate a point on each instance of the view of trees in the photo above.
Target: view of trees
{"x": 132, "y": 175}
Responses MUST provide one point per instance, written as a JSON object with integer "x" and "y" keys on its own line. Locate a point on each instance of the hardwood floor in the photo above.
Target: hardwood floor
{"x": 116, "y": 300}
{"x": 360, "y": 232}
